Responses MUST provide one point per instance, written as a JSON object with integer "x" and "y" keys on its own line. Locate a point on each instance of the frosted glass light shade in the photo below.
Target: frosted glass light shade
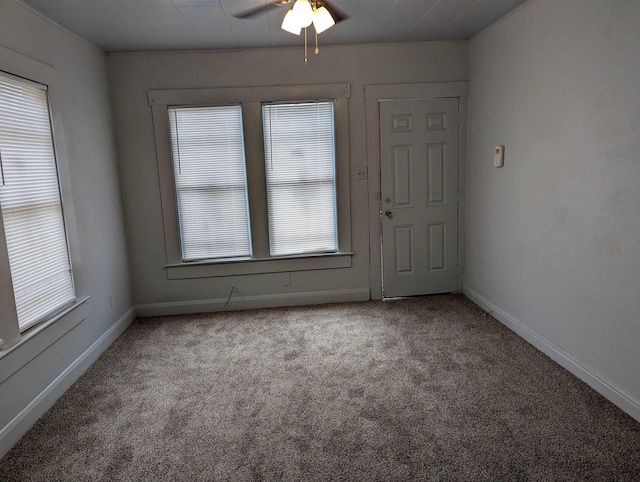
{"x": 322, "y": 19}
{"x": 291, "y": 24}
{"x": 303, "y": 13}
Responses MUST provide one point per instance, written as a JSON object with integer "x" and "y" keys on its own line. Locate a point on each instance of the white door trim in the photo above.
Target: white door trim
{"x": 373, "y": 94}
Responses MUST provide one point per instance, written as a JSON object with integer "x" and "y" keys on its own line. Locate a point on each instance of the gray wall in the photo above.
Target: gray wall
{"x": 553, "y": 237}
{"x": 100, "y": 254}
{"x": 133, "y": 74}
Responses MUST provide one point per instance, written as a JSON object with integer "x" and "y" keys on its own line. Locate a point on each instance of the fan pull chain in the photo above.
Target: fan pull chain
{"x": 306, "y": 59}
{"x": 315, "y": 6}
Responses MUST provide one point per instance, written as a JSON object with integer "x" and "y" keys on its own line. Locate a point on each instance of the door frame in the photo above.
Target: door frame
{"x": 373, "y": 95}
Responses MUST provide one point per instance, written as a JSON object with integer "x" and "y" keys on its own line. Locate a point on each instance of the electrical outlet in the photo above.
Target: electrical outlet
{"x": 111, "y": 300}
{"x": 286, "y": 280}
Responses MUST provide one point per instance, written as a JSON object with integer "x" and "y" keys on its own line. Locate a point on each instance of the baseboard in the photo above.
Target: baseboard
{"x": 249, "y": 302}
{"x": 21, "y": 423}
{"x": 607, "y": 388}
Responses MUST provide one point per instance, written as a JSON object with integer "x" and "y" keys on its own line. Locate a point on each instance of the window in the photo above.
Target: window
{"x": 30, "y": 203}
{"x": 211, "y": 188}
{"x": 300, "y": 172}
{"x": 253, "y": 180}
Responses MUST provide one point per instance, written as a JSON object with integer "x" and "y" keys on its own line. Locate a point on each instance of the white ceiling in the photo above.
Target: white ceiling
{"x": 139, "y": 25}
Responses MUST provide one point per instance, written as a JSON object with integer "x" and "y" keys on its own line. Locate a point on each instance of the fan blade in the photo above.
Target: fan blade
{"x": 254, "y": 12}
{"x": 337, "y": 14}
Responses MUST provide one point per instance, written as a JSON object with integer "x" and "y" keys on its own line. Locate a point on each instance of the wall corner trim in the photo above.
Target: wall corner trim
{"x": 21, "y": 423}
{"x": 600, "y": 383}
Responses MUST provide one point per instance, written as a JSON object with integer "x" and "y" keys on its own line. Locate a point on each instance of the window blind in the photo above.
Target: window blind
{"x": 300, "y": 171}
{"x": 210, "y": 178}
{"x": 31, "y": 204}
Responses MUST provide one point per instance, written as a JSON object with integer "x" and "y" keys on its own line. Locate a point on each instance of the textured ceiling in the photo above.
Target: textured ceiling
{"x": 139, "y": 25}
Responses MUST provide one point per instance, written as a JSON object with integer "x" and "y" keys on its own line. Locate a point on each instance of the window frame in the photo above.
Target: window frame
{"x": 177, "y": 161}
{"x": 43, "y": 89}
{"x": 11, "y": 337}
{"x": 276, "y": 184}
{"x": 251, "y": 99}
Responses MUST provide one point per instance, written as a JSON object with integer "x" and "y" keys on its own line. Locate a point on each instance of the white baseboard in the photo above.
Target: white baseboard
{"x": 249, "y": 302}
{"x": 608, "y": 389}
{"x": 21, "y": 423}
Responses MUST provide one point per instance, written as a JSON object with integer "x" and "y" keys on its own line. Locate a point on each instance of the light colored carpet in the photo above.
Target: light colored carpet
{"x": 427, "y": 388}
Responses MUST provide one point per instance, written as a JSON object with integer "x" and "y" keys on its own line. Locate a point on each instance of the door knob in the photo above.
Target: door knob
{"x": 388, "y": 214}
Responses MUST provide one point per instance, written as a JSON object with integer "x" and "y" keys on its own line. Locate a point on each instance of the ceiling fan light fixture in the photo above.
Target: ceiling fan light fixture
{"x": 290, "y": 23}
{"x": 303, "y": 12}
{"x": 322, "y": 19}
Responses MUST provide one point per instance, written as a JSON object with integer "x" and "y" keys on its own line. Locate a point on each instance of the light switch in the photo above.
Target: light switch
{"x": 498, "y": 156}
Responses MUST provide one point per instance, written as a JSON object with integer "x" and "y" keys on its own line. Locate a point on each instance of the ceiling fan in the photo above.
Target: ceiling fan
{"x": 301, "y": 15}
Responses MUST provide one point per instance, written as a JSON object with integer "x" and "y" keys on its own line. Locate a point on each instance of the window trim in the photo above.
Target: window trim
{"x": 51, "y": 312}
{"x": 184, "y": 182}
{"x": 31, "y": 70}
{"x": 251, "y": 99}
{"x": 281, "y": 216}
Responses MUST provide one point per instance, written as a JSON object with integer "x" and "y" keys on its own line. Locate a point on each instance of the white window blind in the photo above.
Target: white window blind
{"x": 211, "y": 189}
{"x": 300, "y": 168}
{"x": 30, "y": 202}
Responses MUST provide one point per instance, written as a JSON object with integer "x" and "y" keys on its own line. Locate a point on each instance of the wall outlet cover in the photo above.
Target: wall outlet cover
{"x": 498, "y": 156}
{"x": 361, "y": 173}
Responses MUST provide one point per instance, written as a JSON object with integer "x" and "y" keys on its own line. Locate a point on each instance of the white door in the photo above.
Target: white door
{"x": 419, "y": 163}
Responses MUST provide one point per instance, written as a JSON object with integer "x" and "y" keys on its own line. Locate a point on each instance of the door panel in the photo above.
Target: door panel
{"x": 403, "y": 250}
{"x": 419, "y": 149}
{"x": 402, "y": 176}
{"x": 437, "y": 247}
{"x": 436, "y": 183}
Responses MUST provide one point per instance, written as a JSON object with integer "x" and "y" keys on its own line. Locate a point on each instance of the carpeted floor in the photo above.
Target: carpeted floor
{"x": 426, "y": 388}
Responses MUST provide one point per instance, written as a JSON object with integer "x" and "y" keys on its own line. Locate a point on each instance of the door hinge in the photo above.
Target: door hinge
{"x": 458, "y": 118}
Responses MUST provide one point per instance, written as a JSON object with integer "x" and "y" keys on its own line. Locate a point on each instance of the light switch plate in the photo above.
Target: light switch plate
{"x": 361, "y": 173}
{"x": 498, "y": 156}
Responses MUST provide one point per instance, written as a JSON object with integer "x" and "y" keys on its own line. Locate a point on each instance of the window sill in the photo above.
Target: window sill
{"x": 39, "y": 337}
{"x": 276, "y": 264}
